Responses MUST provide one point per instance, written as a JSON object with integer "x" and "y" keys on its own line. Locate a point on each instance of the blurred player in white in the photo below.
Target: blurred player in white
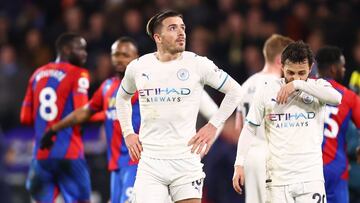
{"x": 254, "y": 166}
{"x": 293, "y": 111}
{"x": 170, "y": 84}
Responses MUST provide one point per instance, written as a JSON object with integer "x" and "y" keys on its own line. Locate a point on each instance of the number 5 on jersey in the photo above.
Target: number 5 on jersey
{"x": 333, "y": 128}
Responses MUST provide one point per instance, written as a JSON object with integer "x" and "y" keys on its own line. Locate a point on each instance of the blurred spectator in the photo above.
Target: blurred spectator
{"x": 97, "y": 38}
{"x": 135, "y": 28}
{"x": 200, "y": 41}
{"x": 35, "y": 53}
{"x": 103, "y": 69}
{"x": 315, "y": 40}
{"x": 13, "y": 82}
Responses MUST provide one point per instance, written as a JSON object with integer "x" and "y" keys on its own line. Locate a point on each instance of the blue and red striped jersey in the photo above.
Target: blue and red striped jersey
{"x": 104, "y": 99}
{"x": 336, "y": 125}
{"x": 53, "y": 92}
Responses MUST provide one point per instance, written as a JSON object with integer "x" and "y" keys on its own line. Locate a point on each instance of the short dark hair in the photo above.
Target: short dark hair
{"x": 65, "y": 39}
{"x": 297, "y": 52}
{"x": 127, "y": 39}
{"x": 327, "y": 56}
{"x": 155, "y": 22}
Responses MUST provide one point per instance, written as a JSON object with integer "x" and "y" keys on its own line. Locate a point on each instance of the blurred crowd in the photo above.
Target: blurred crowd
{"x": 229, "y": 32}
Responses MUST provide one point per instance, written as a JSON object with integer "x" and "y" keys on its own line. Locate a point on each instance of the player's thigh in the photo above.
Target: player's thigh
{"x": 278, "y": 194}
{"x": 313, "y": 192}
{"x": 187, "y": 180}
{"x": 41, "y": 183}
{"x": 149, "y": 187}
{"x": 74, "y": 180}
{"x": 128, "y": 175}
{"x": 187, "y": 193}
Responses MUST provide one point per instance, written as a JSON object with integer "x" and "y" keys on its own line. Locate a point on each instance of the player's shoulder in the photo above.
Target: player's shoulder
{"x": 141, "y": 61}
{"x": 188, "y": 55}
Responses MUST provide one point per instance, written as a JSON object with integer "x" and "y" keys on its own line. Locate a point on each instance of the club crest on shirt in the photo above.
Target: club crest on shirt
{"x": 307, "y": 99}
{"x": 183, "y": 74}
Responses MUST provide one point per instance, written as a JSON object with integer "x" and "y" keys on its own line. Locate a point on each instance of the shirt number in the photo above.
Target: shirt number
{"x": 48, "y": 109}
{"x": 332, "y": 130}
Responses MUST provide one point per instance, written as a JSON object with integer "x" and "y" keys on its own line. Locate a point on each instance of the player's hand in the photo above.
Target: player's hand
{"x": 238, "y": 179}
{"x": 134, "y": 146}
{"x": 203, "y": 138}
{"x": 47, "y": 139}
{"x": 285, "y": 92}
{"x": 358, "y": 154}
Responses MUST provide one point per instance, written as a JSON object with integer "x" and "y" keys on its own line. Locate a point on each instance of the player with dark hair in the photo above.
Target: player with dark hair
{"x": 122, "y": 169}
{"x": 292, "y": 109}
{"x": 170, "y": 84}
{"x": 54, "y": 91}
{"x": 331, "y": 66}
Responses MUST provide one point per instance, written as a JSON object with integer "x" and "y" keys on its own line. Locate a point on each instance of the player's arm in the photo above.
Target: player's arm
{"x": 79, "y": 116}
{"x": 320, "y": 89}
{"x": 247, "y": 136}
{"x": 26, "y": 114}
{"x": 124, "y": 113}
{"x": 254, "y": 118}
{"x": 220, "y": 80}
{"x": 208, "y": 108}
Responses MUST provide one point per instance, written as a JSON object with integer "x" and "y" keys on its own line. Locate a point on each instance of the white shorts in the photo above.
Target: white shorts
{"x": 306, "y": 192}
{"x": 255, "y": 172}
{"x": 156, "y": 179}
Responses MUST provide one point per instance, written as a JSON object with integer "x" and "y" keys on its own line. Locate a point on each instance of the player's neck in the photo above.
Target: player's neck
{"x": 271, "y": 69}
{"x": 165, "y": 56}
{"x": 61, "y": 59}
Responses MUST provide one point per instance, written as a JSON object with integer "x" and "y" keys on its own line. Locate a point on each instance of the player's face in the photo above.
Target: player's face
{"x": 172, "y": 35}
{"x": 78, "y": 52}
{"x": 122, "y": 54}
{"x": 296, "y": 71}
{"x": 340, "y": 69}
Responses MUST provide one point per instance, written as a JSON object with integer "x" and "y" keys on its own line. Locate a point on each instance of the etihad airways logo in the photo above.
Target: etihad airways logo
{"x": 289, "y": 120}
{"x": 291, "y": 116}
{"x": 167, "y": 94}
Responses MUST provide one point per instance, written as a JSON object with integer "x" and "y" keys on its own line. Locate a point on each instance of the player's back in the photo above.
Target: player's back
{"x": 250, "y": 86}
{"x": 54, "y": 91}
{"x": 336, "y": 125}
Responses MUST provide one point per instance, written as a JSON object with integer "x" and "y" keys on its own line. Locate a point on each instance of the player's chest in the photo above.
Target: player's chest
{"x": 299, "y": 106}
{"x": 178, "y": 76}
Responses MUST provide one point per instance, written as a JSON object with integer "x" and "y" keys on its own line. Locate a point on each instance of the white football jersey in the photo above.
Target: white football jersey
{"x": 250, "y": 86}
{"x": 294, "y": 132}
{"x": 169, "y": 96}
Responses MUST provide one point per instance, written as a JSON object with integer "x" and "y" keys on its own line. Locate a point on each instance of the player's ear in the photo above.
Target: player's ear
{"x": 66, "y": 50}
{"x": 157, "y": 37}
{"x": 278, "y": 59}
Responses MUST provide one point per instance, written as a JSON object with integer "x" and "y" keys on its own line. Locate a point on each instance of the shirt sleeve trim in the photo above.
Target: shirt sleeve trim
{"x": 222, "y": 84}
{"x": 126, "y": 91}
{"x": 252, "y": 123}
